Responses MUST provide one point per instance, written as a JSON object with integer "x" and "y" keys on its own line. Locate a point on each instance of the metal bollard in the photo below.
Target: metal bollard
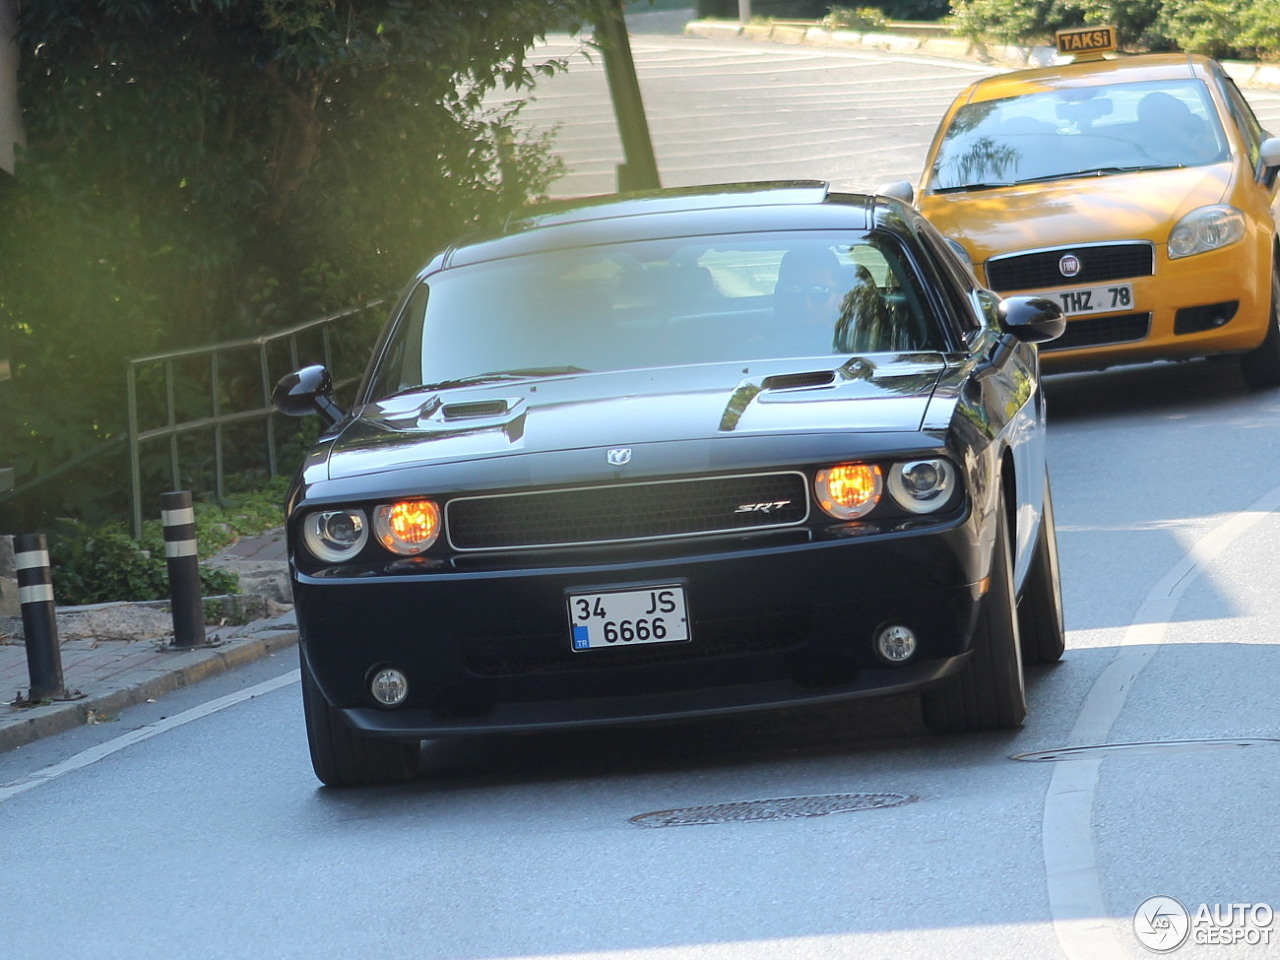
{"x": 39, "y": 617}
{"x": 185, "y": 593}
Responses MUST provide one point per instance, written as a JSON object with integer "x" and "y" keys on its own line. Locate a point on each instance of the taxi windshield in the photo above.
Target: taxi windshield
{"x": 659, "y": 303}
{"x": 1081, "y": 131}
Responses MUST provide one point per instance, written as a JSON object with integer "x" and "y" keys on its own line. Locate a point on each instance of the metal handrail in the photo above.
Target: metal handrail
{"x": 173, "y": 428}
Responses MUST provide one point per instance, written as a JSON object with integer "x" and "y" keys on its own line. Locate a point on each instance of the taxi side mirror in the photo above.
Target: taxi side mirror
{"x": 1270, "y": 156}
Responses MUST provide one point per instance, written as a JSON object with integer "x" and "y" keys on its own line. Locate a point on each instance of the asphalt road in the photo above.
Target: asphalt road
{"x": 193, "y": 827}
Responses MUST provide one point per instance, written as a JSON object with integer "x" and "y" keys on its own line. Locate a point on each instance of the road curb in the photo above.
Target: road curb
{"x": 1244, "y": 73}
{"x": 48, "y": 719}
{"x": 948, "y": 47}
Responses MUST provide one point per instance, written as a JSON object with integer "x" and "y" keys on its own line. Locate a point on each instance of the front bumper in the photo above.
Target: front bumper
{"x": 1209, "y": 304}
{"x": 775, "y": 621}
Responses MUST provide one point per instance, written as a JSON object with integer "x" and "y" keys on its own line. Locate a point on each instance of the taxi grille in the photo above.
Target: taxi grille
{"x": 627, "y": 512}
{"x": 1098, "y": 264}
{"x": 1099, "y": 331}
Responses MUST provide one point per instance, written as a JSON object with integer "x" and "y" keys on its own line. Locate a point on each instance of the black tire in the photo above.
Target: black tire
{"x": 989, "y": 693}
{"x": 340, "y": 756}
{"x": 1040, "y": 624}
{"x": 1261, "y": 366}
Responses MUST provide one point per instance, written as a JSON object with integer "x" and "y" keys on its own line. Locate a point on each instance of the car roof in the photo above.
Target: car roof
{"x": 676, "y": 212}
{"x": 1131, "y": 69}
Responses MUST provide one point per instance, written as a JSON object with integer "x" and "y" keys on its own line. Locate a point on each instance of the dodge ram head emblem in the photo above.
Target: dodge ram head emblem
{"x": 618, "y": 456}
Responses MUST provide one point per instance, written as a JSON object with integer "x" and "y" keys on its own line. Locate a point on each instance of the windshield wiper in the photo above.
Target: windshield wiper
{"x": 981, "y": 185}
{"x": 1103, "y": 171}
{"x": 495, "y": 376}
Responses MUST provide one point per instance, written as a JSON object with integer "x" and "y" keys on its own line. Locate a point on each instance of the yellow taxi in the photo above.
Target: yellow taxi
{"x": 1139, "y": 192}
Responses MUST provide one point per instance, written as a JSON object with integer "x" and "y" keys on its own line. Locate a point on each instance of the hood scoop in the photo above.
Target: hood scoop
{"x": 856, "y": 368}
{"x": 797, "y": 381}
{"x": 475, "y": 410}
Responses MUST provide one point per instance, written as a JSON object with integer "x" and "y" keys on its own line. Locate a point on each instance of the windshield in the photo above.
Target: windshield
{"x": 658, "y": 303}
{"x": 1080, "y": 131}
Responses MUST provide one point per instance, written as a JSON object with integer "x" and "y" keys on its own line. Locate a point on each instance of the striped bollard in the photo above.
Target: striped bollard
{"x": 181, "y": 555}
{"x": 39, "y": 617}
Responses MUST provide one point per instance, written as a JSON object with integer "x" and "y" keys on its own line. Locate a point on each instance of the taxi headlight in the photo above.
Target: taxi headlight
{"x": 335, "y": 535}
{"x": 848, "y": 491}
{"x": 1207, "y": 228}
{"x": 407, "y": 527}
{"x": 922, "y": 486}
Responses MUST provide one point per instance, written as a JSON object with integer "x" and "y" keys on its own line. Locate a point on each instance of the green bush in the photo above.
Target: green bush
{"x": 104, "y": 563}
{"x": 1219, "y": 28}
{"x": 862, "y": 19}
{"x": 1222, "y": 28}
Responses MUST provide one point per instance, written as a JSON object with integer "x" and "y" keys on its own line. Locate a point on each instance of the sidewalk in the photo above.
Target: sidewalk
{"x": 116, "y": 655}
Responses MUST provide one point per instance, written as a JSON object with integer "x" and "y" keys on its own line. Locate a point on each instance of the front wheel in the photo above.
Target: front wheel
{"x": 342, "y": 757}
{"x": 1040, "y": 623}
{"x": 989, "y": 693}
{"x": 1261, "y": 366}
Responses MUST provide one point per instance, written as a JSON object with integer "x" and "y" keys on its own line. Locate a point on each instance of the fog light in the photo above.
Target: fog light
{"x": 389, "y": 687}
{"x": 897, "y": 643}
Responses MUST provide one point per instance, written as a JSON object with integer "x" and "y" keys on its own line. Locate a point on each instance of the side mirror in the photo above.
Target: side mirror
{"x": 1270, "y": 154}
{"x": 1032, "y": 319}
{"x": 899, "y": 190}
{"x": 307, "y": 391}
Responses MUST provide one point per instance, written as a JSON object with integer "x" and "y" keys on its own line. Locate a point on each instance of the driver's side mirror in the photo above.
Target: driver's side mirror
{"x": 307, "y": 391}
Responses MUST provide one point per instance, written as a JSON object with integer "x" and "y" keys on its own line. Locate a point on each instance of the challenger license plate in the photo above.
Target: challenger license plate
{"x": 624, "y": 618}
{"x": 1110, "y": 298}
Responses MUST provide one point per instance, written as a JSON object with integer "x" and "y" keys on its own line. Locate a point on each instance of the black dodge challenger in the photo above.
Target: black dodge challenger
{"x": 669, "y": 454}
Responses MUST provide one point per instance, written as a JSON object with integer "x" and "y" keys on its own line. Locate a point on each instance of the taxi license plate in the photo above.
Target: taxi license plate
{"x": 1110, "y": 298}
{"x": 624, "y": 618}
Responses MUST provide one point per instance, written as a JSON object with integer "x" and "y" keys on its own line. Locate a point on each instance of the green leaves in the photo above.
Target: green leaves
{"x": 1218, "y": 28}
{"x": 203, "y": 170}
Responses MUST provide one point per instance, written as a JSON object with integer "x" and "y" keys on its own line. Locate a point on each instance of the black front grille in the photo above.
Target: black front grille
{"x": 627, "y": 511}
{"x": 1099, "y": 331}
{"x": 1098, "y": 264}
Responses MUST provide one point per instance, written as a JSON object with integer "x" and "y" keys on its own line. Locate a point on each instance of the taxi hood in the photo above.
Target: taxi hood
{"x": 1142, "y": 205}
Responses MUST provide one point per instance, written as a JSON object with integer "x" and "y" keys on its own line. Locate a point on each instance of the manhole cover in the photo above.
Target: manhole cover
{"x": 780, "y": 808}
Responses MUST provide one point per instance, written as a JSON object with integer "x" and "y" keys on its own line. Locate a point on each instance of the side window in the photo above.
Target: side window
{"x": 955, "y": 278}
{"x": 400, "y": 365}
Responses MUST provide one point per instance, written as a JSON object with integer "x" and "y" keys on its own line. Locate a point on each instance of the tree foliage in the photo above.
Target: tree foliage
{"x": 1219, "y": 28}
{"x": 203, "y": 169}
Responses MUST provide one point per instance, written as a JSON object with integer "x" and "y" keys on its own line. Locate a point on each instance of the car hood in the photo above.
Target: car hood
{"x": 1079, "y": 210}
{"x": 877, "y": 393}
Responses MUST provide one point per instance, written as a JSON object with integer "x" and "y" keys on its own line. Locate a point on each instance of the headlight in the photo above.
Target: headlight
{"x": 335, "y": 535}
{"x": 848, "y": 491}
{"x": 407, "y": 527}
{"x": 922, "y": 486}
{"x": 1205, "y": 229}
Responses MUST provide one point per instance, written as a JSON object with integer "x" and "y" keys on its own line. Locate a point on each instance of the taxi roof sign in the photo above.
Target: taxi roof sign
{"x": 1086, "y": 43}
